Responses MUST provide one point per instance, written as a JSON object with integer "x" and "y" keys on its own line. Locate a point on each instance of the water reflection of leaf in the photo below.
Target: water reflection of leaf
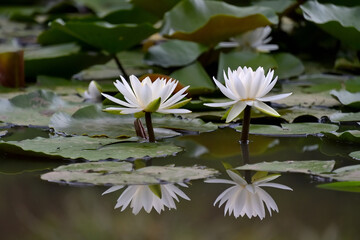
{"x": 307, "y": 167}
{"x": 121, "y": 173}
{"x": 247, "y": 199}
{"x": 143, "y": 196}
{"x": 348, "y": 186}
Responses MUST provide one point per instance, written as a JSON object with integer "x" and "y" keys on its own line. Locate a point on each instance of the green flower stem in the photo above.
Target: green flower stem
{"x": 149, "y": 127}
{"x": 119, "y": 65}
{"x": 246, "y": 160}
{"x": 245, "y": 126}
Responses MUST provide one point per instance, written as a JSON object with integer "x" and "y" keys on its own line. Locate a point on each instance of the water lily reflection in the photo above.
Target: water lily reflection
{"x": 145, "y": 196}
{"x": 247, "y": 199}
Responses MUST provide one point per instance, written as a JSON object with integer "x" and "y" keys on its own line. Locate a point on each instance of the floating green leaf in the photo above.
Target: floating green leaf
{"x": 233, "y": 60}
{"x": 347, "y": 98}
{"x": 210, "y": 22}
{"x": 92, "y": 149}
{"x": 92, "y": 121}
{"x": 307, "y": 167}
{"x": 174, "y": 53}
{"x": 349, "y": 186}
{"x": 196, "y": 77}
{"x": 60, "y": 60}
{"x": 101, "y": 35}
{"x": 343, "y": 117}
{"x": 121, "y": 173}
{"x": 355, "y": 155}
{"x": 352, "y": 136}
{"x": 289, "y": 114}
{"x": 341, "y": 22}
{"x": 34, "y": 108}
{"x": 294, "y": 129}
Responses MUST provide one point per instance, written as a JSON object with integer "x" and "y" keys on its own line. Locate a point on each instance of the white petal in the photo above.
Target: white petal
{"x": 175, "y": 98}
{"x": 220, "y": 181}
{"x": 274, "y": 98}
{"x": 220, "y": 104}
{"x": 235, "y": 111}
{"x": 116, "y": 100}
{"x": 113, "y": 189}
{"x": 236, "y": 177}
{"x": 224, "y": 90}
{"x": 265, "y": 108}
{"x": 175, "y": 111}
{"x": 275, "y": 185}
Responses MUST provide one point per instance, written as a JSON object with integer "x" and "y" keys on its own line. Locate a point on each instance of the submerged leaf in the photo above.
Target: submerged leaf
{"x": 121, "y": 173}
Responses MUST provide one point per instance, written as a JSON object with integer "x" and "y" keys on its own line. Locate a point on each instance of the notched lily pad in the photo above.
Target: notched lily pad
{"x": 91, "y": 121}
{"x": 121, "y": 173}
{"x": 294, "y": 129}
{"x": 92, "y": 149}
{"x": 307, "y": 167}
{"x": 347, "y": 98}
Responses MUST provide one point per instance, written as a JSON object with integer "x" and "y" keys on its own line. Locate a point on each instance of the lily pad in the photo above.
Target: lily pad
{"x": 350, "y": 136}
{"x": 288, "y": 65}
{"x": 34, "y": 108}
{"x": 339, "y": 21}
{"x": 121, "y": 173}
{"x": 233, "y": 60}
{"x": 355, "y": 155}
{"x": 210, "y": 22}
{"x": 174, "y": 53}
{"x": 289, "y": 114}
{"x": 347, "y": 98}
{"x": 293, "y": 129}
{"x": 345, "y": 117}
{"x": 307, "y": 167}
{"x": 196, "y": 77}
{"x": 349, "y": 186}
{"x": 92, "y": 149}
{"x": 92, "y": 121}
{"x": 111, "y": 38}
{"x": 60, "y": 60}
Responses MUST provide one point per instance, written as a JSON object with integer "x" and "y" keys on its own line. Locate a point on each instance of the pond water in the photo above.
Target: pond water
{"x": 35, "y": 209}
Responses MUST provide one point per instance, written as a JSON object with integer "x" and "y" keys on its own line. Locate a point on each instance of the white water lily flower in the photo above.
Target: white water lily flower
{"x": 247, "y": 199}
{"x": 246, "y": 87}
{"x": 93, "y": 92}
{"x": 257, "y": 40}
{"x": 148, "y": 96}
{"x": 141, "y": 196}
